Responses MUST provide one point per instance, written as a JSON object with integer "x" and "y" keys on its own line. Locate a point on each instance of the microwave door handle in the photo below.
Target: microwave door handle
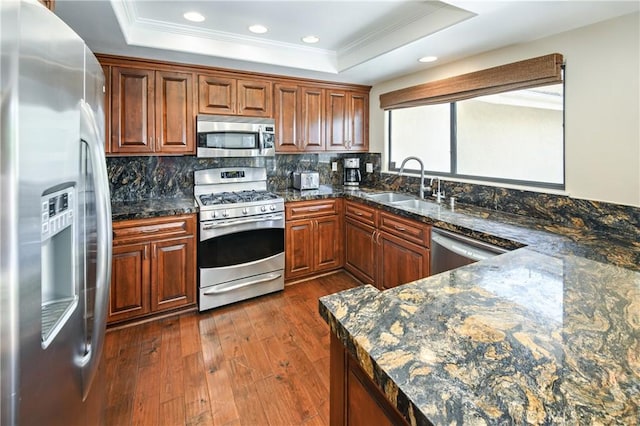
{"x": 261, "y": 146}
{"x": 89, "y": 360}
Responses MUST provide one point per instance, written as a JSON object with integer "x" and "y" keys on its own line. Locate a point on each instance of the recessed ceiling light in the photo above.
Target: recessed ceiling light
{"x": 310, "y": 39}
{"x": 193, "y": 17}
{"x": 425, "y": 59}
{"x": 258, "y": 29}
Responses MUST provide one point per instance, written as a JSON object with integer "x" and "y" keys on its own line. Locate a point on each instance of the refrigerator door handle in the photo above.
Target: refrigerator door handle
{"x": 90, "y": 359}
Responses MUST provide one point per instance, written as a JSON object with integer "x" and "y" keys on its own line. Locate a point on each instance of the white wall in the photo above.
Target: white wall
{"x": 602, "y": 98}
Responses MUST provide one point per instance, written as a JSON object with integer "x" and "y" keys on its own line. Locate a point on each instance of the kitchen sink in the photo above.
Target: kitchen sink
{"x": 390, "y": 197}
{"x": 414, "y": 204}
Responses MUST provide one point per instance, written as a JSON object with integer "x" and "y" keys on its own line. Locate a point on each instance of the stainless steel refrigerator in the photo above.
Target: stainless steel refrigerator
{"x": 55, "y": 221}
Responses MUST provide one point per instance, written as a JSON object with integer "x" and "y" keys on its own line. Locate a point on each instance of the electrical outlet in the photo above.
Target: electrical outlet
{"x": 369, "y": 167}
{"x": 334, "y": 166}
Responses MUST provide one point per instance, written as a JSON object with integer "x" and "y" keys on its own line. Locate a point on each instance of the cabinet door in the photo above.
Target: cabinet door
{"x": 400, "y": 261}
{"x": 129, "y": 295}
{"x": 337, "y": 120}
{"x": 299, "y": 256}
{"x": 312, "y": 119}
{"x": 173, "y": 281}
{"x": 132, "y": 110}
{"x": 329, "y": 245}
{"x": 106, "y": 69}
{"x": 286, "y": 115}
{"x": 358, "y": 122}
{"x": 174, "y": 112}
{"x": 254, "y": 98}
{"x": 360, "y": 250}
{"x": 216, "y": 95}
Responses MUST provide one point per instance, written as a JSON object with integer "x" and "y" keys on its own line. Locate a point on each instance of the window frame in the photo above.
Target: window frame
{"x": 392, "y": 167}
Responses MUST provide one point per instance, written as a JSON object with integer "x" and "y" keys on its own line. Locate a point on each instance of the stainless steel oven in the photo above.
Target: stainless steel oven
{"x": 232, "y": 136}
{"x": 241, "y": 242}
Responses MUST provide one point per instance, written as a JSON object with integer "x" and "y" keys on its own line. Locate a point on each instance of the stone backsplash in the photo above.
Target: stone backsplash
{"x": 617, "y": 219}
{"x": 143, "y": 178}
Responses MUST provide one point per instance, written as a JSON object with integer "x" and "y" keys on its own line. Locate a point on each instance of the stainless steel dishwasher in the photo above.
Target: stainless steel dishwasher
{"x": 450, "y": 251}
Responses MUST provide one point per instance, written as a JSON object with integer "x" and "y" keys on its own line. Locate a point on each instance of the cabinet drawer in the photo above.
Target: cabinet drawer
{"x": 128, "y": 231}
{"x": 306, "y": 209}
{"x": 363, "y": 213}
{"x": 409, "y": 230}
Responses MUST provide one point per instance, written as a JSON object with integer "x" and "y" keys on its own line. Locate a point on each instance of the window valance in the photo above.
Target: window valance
{"x": 529, "y": 73}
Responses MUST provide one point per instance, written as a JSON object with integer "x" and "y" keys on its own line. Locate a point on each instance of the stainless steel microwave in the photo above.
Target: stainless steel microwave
{"x": 232, "y": 136}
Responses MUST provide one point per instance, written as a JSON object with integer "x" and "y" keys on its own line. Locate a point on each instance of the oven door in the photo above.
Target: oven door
{"x": 240, "y": 258}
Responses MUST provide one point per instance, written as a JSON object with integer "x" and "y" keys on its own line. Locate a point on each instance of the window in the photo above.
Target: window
{"x": 515, "y": 137}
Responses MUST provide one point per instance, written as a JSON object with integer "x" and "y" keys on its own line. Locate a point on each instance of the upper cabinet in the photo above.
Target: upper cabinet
{"x": 299, "y": 114}
{"x": 312, "y": 119}
{"x": 151, "y": 107}
{"x": 230, "y": 96}
{"x": 347, "y": 120}
{"x": 151, "y": 112}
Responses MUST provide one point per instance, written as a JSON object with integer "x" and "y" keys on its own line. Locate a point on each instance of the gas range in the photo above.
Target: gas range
{"x": 227, "y": 193}
{"x": 241, "y": 238}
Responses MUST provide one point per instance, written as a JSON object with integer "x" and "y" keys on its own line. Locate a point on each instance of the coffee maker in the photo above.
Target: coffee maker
{"x": 352, "y": 172}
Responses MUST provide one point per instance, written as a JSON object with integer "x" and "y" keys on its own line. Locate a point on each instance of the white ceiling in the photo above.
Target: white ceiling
{"x": 360, "y": 41}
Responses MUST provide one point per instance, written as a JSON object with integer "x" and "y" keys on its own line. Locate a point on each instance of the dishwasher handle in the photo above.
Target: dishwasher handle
{"x": 465, "y": 247}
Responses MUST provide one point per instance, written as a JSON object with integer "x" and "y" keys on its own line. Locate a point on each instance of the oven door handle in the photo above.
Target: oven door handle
{"x": 240, "y": 222}
{"x": 269, "y": 277}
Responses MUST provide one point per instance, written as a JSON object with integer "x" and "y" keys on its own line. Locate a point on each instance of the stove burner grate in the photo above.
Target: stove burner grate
{"x": 236, "y": 197}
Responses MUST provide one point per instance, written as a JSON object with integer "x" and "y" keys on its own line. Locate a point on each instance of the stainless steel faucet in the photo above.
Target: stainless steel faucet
{"x": 422, "y": 187}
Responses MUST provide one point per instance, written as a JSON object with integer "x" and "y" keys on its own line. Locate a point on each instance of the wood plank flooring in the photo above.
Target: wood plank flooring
{"x": 263, "y": 361}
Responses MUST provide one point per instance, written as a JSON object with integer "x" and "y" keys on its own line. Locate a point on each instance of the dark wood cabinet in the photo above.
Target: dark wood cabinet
{"x": 360, "y": 250}
{"x": 384, "y": 249}
{"x": 354, "y": 399}
{"x": 129, "y": 297}
{"x": 400, "y": 261}
{"x": 106, "y": 69}
{"x": 347, "y": 122}
{"x": 313, "y": 237}
{"x": 132, "y": 110}
{"x": 153, "y": 267}
{"x": 299, "y": 114}
{"x": 151, "y": 112}
{"x": 174, "y": 112}
{"x": 218, "y": 94}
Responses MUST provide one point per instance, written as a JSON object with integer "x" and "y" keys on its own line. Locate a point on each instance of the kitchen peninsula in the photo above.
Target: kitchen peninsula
{"x": 540, "y": 335}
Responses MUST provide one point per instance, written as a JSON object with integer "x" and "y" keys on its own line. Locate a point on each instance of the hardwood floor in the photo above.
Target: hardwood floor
{"x": 263, "y": 361}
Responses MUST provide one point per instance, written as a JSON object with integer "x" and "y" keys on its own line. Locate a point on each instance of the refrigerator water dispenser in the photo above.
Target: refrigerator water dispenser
{"x": 59, "y": 286}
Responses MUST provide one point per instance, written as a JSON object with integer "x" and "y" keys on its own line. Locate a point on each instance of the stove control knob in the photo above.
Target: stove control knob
{"x": 225, "y": 213}
{"x": 245, "y": 211}
{"x": 263, "y": 208}
{"x": 272, "y": 207}
{"x": 214, "y": 215}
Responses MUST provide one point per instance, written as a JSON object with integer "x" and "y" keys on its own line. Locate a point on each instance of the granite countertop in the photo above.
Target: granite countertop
{"x": 124, "y": 210}
{"x": 548, "y": 333}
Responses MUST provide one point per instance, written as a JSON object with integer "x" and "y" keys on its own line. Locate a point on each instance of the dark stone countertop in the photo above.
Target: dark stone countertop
{"x": 548, "y": 333}
{"x": 124, "y": 210}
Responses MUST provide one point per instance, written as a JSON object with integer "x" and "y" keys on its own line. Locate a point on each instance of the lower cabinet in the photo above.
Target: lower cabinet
{"x": 153, "y": 267}
{"x": 354, "y": 399}
{"x": 313, "y": 237}
{"x": 384, "y": 249}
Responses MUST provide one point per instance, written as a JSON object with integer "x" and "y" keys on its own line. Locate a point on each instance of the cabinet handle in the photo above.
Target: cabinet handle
{"x": 150, "y": 230}
{"x": 358, "y": 213}
{"x": 399, "y": 228}
{"x": 144, "y": 255}
{"x": 155, "y": 251}
{"x": 313, "y": 209}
